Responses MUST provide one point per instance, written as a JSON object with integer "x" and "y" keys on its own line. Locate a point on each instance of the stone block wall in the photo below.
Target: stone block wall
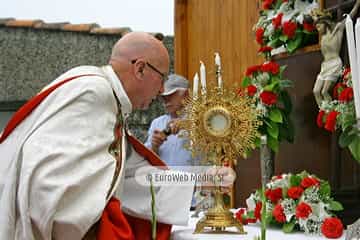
{"x": 33, "y": 54}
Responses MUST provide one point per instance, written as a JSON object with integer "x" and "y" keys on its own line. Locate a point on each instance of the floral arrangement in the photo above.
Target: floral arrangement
{"x": 286, "y": 24}
{"x": 295, "y": 201}
{"x": 340, "y": 114}
{"x": 265, "y": 83}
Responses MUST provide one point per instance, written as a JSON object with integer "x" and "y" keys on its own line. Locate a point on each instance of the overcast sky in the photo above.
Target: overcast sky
{"x": 139, "y": 15}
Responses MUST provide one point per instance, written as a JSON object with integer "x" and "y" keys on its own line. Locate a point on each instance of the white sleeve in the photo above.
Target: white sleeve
{"x": 67, "y": 170}
{"x": 172, "y": 201}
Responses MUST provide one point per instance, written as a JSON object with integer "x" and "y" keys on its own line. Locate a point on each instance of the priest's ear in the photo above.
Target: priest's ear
{"x": 139, "y": 66}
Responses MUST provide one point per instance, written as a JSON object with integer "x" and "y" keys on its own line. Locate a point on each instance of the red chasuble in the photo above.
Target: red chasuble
{"x": 113, "y": 224}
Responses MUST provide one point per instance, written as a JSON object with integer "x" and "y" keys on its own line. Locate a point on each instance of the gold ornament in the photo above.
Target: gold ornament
{"x": 221, "y": 121}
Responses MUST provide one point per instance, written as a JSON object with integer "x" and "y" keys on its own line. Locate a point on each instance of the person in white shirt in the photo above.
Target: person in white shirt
{"x": 170, "y": 146}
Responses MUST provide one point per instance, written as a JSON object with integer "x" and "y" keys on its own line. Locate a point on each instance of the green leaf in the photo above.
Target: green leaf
{"x": 274, "y": 43}
{"x": 295, "y": 180}
{"x": 286, "y": 83}
{"x": 336, "y": 206}
{"x": 288, "y": 227}
{"x": 325, "y": 189}
{"x": 282, "y": 69}
{"x": 270, "y": 87}
{"x": 283, "y": 38}
{"x": 273, "y": 130}
{"x": 294, "y": 44}
{"x": 273, "y": 144}
{"x": 246, "y": 82}
{"x": 278, "y": 4}
{"x": 354, "y": 148}
{"x": 275, "y": 115}
{"x": 345, "y": 138}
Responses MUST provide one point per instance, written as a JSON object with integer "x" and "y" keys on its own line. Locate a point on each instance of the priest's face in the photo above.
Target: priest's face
{"x": 155, "y": 78}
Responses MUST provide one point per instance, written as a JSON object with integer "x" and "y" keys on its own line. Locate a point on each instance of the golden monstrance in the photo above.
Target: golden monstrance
{"x": 222, "y": 125}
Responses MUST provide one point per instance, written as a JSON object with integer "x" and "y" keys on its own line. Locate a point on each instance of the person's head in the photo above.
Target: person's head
{"x": 323, "y": 20}
{"x": 142, "y": 63}
{"x": 323, "y": 26}
{"x": 176, "y": 89}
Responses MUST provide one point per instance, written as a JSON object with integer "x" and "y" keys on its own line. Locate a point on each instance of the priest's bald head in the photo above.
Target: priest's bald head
{"x": 142, "y": 64}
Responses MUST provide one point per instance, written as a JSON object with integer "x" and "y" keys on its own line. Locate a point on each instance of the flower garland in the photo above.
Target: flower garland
{"x": 285, "y": 23}
{"x": 340, "y": 114}
{"x": 301, "y": 201}
{"x": 265, "y": 83}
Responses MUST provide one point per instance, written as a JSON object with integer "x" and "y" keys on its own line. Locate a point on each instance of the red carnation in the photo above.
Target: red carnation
{"x": 276, "y": 22}
{"x": 309, "y": 27}
{"x": 265, "y": 49}
{"x": 303, "y": 210}
{"x": 295, "y": 192}
{"x": 309, "y": 181}
{"x": 278, "y": 213}
{"x": 289, "y": 29}
{"x": 268, "y": 98}
{"x": 330, "y": 123}
{"x": 271, "y": 67}
{"x": 251, "y": 90}
{"x": 274, "y": 195}
{"x": 267, "y": 4}
{"x": 319, "y": 119}
{"x": 260, "y": 36}
{"x": 257, "y": 212}
{"x": 338, "y": 89}
{"x": 239, "y": 216}
{"x": 332, "y": 227}
{"x": 346, "y": 95}
{"x": 252, "y": 69}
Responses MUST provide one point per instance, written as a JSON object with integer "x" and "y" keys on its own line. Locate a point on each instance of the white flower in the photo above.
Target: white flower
{"x": 288, "y": 205}
{"x": 250, "y": 203}
{"x": 283, "y": 182}
{"x": 319, "y": 210}
{"x": 263, "y": 78}
{"x": 310, "y": 225}
{"x": 261, "y": 108}
{"x": 311, "y": 195}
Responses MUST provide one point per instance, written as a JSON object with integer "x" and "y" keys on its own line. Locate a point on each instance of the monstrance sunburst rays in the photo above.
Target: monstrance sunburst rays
{"x": 235, "y": 114}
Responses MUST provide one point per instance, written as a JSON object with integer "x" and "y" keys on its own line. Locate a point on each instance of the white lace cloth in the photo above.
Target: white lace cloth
{"x": 186, "y": 233}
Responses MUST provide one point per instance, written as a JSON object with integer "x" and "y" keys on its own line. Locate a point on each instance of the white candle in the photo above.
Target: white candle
{"x": 202, "y": 77}
{"x": 356, "y": 81}
{"x": 195, "y": 86}
{"x": 218, "y": 66}
{"x": 217, "y": 59}
{"x": 353, "y": 62}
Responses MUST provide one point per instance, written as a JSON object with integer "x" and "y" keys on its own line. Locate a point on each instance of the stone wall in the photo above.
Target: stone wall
{"x": 30, "y": 58}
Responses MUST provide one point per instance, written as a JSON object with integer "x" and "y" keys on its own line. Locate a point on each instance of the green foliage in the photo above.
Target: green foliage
{"x": 336, "y": 206}
{"x": 288, "y": 227}
{"x": 295, "y": 180}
